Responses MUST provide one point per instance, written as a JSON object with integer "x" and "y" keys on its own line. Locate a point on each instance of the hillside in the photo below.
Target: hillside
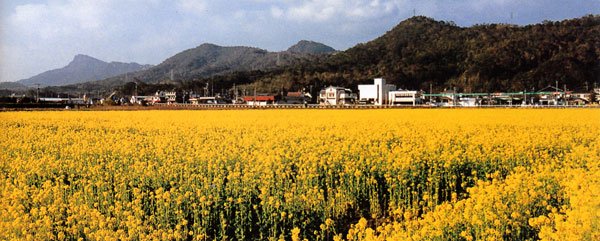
{"x": 81, "y": 69}
{"x": 496, "y": 57}
{"x": 209, "y": 59}
{"x": 310, "y": 47}
{"x": 12, "y": 86}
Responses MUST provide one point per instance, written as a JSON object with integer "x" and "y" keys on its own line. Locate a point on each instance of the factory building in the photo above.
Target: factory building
{"x": 377, "y": 93}
{"x": 404, "y": 97}
{"x": 381, "y": 93}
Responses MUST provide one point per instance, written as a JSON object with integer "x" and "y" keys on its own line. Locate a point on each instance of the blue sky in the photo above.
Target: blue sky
{"x": 39, "y": 35}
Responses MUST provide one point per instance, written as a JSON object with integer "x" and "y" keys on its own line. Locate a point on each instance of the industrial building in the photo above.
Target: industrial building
{"x": 377, "y": 93}
{"x": 381, "y": 93}
{"x": 404, "y": 97}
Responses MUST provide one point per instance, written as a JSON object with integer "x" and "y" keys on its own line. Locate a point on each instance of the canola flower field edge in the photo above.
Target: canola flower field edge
{"x": 500, "y": 174}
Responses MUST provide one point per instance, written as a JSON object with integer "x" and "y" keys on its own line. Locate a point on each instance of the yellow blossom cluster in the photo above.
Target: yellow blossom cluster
{"x": 411, "y": 174}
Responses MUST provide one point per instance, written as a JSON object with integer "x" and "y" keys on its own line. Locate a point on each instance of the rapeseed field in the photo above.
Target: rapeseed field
{"x": 414, "y": 174}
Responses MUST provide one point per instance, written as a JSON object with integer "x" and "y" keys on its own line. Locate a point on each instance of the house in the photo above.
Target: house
{"x": 260, "y": 100}
{"x": 171, "y": 97}
{"x": 294, "y": 98}
{"x": 549, "y": 98}
{"x": 579, "y": 98}
{"x": 334, "y": 95}
{"x": 377, "y": 93}
{"x": 140, "y": 99}
{"x": 159, "y": 97}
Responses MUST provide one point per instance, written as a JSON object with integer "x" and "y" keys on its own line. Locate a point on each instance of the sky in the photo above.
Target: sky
{"x": 40, "y": 35}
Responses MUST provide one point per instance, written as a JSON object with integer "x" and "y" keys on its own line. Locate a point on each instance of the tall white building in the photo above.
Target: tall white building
{"x": 377, "y": 93}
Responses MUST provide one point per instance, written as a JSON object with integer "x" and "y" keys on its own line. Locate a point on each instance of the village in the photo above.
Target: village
{"x": 379, "y": 94}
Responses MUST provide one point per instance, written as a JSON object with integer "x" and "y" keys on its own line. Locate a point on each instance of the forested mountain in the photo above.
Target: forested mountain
{"x": 208, "y": 60}
{"x": 493, "y": 57}
{"x": 81, "y": 69}
{"x": 12, "y": 86}
{"x": 310, "y": 47}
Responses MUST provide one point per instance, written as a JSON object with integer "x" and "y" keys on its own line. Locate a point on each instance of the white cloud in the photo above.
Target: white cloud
{"x": 192, "y": 6}
{"x": 277, "y": 12}
{"x": 51, "y": 33}
{"x": 354, "y": 10}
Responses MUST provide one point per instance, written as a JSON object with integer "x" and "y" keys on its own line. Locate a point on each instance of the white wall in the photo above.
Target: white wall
{"x": 367, "y": 92}
{"x": 404, "y": 96}
{"x": 378, "y": 91}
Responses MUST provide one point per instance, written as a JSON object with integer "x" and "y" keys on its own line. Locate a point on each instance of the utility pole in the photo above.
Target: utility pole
{"x": 454, "y": 96}
{"x": 254, "y": 103}
{"x": 234, "y": 94}
{"x": 37, "y": 96}
{"x": 565, "y": 94}
{"x": 430, "y": 92}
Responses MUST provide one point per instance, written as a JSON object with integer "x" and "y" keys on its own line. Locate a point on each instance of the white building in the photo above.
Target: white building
{"x": 140, "y": 100}
{"x": 159, "y": 97}
{"x": 198, "y": 100}
{"x": 377, "y": 93}
{"x": 579, "y": 98}
{"x": 333, "y": 95}
{"x": 404, "y": 97}
{"x": 171, "y": 96}
{"x": 468, "y": 102}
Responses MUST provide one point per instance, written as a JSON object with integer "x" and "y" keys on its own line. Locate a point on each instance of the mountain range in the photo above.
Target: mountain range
{"x": 85, "y": 73}
{"x": 208, "y": 60}
{"x": 418, "y": 53}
